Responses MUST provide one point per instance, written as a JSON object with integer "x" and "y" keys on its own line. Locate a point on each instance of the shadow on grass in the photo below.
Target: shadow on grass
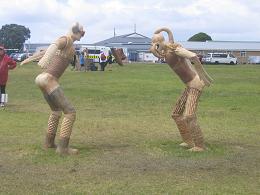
{"x": 37, "y": 155}
{"x": 172, "y": 148}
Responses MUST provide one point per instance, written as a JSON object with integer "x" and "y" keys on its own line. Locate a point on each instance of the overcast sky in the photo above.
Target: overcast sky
{"x": 226, "y": 20}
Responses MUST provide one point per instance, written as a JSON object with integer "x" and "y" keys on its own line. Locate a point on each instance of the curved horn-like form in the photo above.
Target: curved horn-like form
{"x": 169, "y": 32}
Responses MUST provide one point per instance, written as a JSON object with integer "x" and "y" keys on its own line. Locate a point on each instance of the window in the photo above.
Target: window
{"x": 92, "y": 51}
{"x": 219, "y": 55}
{"x": 215, "y": 55}
{"x": 231, "y": 55}
{"x": 243, "y": 53}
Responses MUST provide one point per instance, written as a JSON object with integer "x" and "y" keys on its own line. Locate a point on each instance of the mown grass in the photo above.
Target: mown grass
{"x": 128, "y": 142}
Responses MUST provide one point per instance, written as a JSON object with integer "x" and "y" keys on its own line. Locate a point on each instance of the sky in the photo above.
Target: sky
{"x": 223, "y": 20}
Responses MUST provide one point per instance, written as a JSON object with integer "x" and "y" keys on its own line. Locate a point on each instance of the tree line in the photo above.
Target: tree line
{"x": 13, "y": 36}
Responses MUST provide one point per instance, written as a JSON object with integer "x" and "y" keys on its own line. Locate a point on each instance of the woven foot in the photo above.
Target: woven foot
{"x": 63, "y": 148}
{"x": 196, "y": 149}
{"x": 186, "y": 145}
{"x": 49, "y": 142}
{"x": 67, "y": 151}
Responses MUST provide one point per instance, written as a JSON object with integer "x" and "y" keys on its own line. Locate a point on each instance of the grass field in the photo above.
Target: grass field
{"x": 128, "y": 142}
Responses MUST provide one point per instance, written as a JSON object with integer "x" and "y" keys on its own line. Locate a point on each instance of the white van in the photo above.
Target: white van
{"x": 94, "y": 51}
{"x": 220, "y": 58}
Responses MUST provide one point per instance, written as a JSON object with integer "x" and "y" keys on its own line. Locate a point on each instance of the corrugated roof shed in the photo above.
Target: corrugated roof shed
{"x": 126, "y": 39}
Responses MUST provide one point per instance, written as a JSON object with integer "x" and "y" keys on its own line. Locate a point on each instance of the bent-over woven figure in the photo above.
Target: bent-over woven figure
{"x": 54, "y": 61}
{"x": 194, "y": 77}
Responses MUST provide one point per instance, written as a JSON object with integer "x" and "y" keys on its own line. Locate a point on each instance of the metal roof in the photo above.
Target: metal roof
{"x": 132, "y": 38}
{"x": 222, "y": 45}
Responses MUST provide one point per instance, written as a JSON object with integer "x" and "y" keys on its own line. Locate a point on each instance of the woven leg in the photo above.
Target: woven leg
{"x": 180, "y": 104}
{"x": 196, "y": 134}
{"x": 192, "y": 102}
{"x": 53, "y": 123}
{"x": 66, "y": 129}
{"x": 190, "y": 115}
{"x": 58, "y": 101}
{"x": 180, "y": 121}
{"x": 184, "y": 131}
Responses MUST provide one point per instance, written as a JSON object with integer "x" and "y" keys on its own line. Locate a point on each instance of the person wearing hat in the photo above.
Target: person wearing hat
{"x": 6, "y": 63}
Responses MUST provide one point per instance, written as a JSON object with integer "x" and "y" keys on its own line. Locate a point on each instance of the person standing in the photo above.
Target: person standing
{"x": 73, "y": 62}
{"x": 82, "y": 61}
{"x": 86, "y": 59}
{"x": 109, "y": 61}
{"x": 102, "y": 61}
{"x": 6, "y": 63}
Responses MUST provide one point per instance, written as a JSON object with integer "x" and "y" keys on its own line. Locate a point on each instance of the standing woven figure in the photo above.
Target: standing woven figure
{"x": 54, "y": 61}
{"x": 194, "y": 77}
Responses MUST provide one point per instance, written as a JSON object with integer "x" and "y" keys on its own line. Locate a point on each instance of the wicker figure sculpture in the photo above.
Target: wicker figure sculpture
{"x": 194, "y": 77}
{"x": 54, "y": 61}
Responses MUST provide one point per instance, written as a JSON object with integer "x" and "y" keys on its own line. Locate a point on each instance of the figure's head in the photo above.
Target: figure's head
{"x": 2, "y": 50}
{"x": 158, "y": 45}
{"x": 77, "y": 32}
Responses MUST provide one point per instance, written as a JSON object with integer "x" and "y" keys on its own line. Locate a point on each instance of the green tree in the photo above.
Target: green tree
{"x": 201, "y": 37}
{"x": 13, "y": 36}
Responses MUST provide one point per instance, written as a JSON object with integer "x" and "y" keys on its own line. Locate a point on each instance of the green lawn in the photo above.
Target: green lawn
{"x": 128, "y": 142}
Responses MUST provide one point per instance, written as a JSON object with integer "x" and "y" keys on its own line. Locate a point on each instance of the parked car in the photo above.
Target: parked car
{"x": 13, "y": 55}
{"x": 220, "y": 58}
{"x": 253, "y": 59}
{"x": 20, "y": 57}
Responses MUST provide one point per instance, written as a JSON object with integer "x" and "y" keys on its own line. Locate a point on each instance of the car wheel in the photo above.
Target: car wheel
{"x": 216, "y": 62}
{"x": 232, "y": 63}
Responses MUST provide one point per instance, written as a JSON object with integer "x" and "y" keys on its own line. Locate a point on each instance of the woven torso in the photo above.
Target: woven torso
{"x": 180, "y": 67}
{"x": 61, "y": 59}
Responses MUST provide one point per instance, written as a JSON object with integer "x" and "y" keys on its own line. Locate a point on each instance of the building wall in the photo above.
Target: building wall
{"x": 242, "y": 56}
{"x": 147, "y": 57}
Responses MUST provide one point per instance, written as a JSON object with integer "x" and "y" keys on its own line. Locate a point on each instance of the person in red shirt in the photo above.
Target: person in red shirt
{"x": 6, "y": 63}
